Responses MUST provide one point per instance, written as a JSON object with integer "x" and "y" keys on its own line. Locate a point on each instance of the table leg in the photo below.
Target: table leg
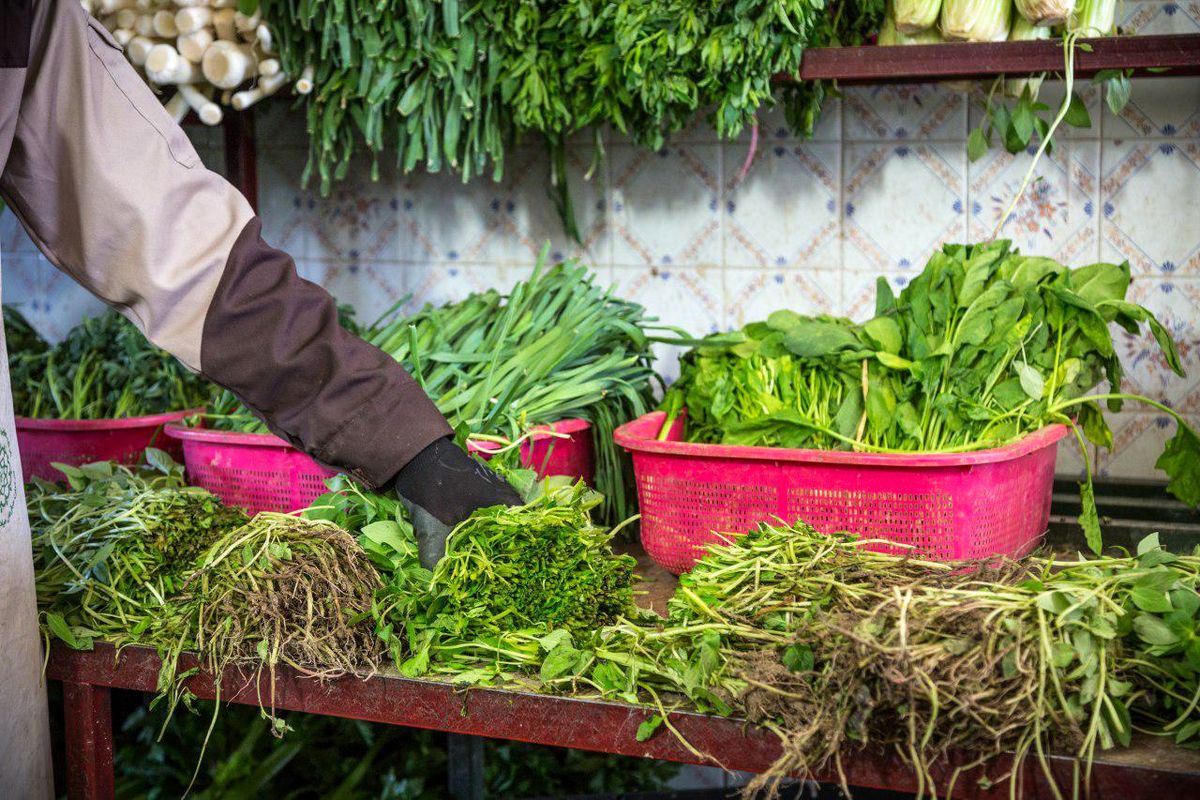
{"x": 88, "y": 711}
{"x": 464, "y": 754}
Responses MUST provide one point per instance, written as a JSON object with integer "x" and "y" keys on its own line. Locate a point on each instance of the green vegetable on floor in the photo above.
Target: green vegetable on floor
{"x": 104, "y": 368}
{"x": 982, "y": 347}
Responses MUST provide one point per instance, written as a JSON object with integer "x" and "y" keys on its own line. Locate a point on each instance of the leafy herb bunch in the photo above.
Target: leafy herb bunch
{"x": 104, "y": 368}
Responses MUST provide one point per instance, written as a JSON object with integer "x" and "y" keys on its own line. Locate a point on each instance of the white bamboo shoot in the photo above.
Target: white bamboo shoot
{"x": 190, "y": 20}
{"x": 165, "y": 65}
{"x": 138, "y": 50}
{"x": 304, "y": 85}
{"x": 177, "y": 107}
{"x": 164, "y": 24}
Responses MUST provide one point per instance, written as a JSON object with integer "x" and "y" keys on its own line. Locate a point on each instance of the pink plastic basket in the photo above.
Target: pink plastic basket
{"x": 261, "y": 472}
{"x": 82, "y": 441}
{"x": 257, "y": 471}
{"x": 952, "y": 506}
{"x": 554, "y": 455}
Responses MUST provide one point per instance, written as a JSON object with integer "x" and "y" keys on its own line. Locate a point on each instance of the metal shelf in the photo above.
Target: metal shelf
{"x": 1165, "y": 55}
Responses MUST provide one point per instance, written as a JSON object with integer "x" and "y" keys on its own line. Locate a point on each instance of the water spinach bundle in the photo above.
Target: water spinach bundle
{"x": 450, "y": 84}
{"x": 982, "y": 347}
{"x": 105, "y": 368}
{"x": 836, "y": 647}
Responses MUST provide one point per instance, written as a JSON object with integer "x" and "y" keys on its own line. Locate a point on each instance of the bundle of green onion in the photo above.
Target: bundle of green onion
{"x": 105, "y": 368}
{"x": 557, "y": 346}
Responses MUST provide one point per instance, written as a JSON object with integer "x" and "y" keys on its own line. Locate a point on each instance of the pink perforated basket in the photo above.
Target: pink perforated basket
{"x": 948, "y": 506}
{"x": 548, "y": 454}
{"x": 261, "y": 472}
{"x": 82, "y": 441}
{"x": 257, "y": 471}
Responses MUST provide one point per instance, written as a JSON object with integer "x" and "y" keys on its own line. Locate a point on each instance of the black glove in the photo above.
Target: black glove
{"x": 440, "y": 487}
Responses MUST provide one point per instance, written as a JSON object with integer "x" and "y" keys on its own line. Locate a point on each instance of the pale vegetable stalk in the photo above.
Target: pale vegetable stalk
{"x": 1045, "y": 13}
{"x": 976, "y": 20}
{"x": 914, "y": 16}
{"x": 1024, "y": 30}
{"x": 890, "y": 37}
{"x": 1093, "y": 18}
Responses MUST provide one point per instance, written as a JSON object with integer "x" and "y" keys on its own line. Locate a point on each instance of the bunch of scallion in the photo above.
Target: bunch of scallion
{"x": 556, "y": 346}
{"x": 104, "y": 368}
{"x": 983, "y": 347}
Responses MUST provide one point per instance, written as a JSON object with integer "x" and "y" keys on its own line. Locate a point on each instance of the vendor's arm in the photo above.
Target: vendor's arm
{"x": 112, "y": 192}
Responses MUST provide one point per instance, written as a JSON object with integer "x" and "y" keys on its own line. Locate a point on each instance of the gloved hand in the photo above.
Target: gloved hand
{"x": 440, "y": 488}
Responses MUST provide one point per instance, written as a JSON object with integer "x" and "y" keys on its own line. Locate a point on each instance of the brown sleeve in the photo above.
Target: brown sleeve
{"x": 110, "y": 189}
{"x": 274, "y": 339}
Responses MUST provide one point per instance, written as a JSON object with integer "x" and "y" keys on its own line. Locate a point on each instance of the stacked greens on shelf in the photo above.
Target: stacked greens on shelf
{"x": 104, "y": 368}
{"x": 982, "y": 347}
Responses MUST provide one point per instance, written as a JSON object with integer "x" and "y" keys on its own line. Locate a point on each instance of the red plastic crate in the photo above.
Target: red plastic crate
{"x": 82, "y": 441}
{"x": 947, "y": 506}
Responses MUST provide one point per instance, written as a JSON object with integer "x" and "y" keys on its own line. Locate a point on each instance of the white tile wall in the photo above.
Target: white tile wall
{"x": 709, "y": 235}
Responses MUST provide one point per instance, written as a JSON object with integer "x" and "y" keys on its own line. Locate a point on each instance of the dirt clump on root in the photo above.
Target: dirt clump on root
{"x": 934, "y": 669}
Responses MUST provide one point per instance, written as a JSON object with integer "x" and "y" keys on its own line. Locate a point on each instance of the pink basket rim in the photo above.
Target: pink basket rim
{"x": 210, "y": 436}
{"x": 106, "y": 424}
{"x": 633, "y": 437}
{"x": 540, "y": 432}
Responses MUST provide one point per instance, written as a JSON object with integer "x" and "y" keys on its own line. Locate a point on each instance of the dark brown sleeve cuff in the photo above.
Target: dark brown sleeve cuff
{"x": 273, "y": 338}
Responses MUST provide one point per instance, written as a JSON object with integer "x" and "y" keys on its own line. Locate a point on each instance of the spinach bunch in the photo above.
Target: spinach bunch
{"x": 983, "y": 347}
{"x": 105, "y": 368}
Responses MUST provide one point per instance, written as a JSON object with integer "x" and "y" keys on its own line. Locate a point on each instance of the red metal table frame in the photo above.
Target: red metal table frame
{"x": 1150, "y": 769}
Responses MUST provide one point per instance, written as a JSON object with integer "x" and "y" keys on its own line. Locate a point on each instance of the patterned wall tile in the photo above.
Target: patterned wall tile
{"x": 13, "y": 238}
{"x": 1149, "y": 198}
{"x": 1138, "y": 441}
{"x": 783, "y": 212}
{"x": 773, "y": 126}
{"x": 287, "y": 211}
{"x": 901, "y": 202}
{"x": 752, "y": 294}
{"x": 52, "y": 302}
{"x": 920, "y": 112}
{"x": 859, "y": 291}
{"x": 665, "y": 206}
{"x": 1158, "y": 107}
{"x": 1051, "y": 93}
{"x": 692, "y": 298}
{"x": 1056, "y": 215}
{"x": 1176, "y": 303}
{"x": 528, "y": 211}
{"x": 1159, "y": 16}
